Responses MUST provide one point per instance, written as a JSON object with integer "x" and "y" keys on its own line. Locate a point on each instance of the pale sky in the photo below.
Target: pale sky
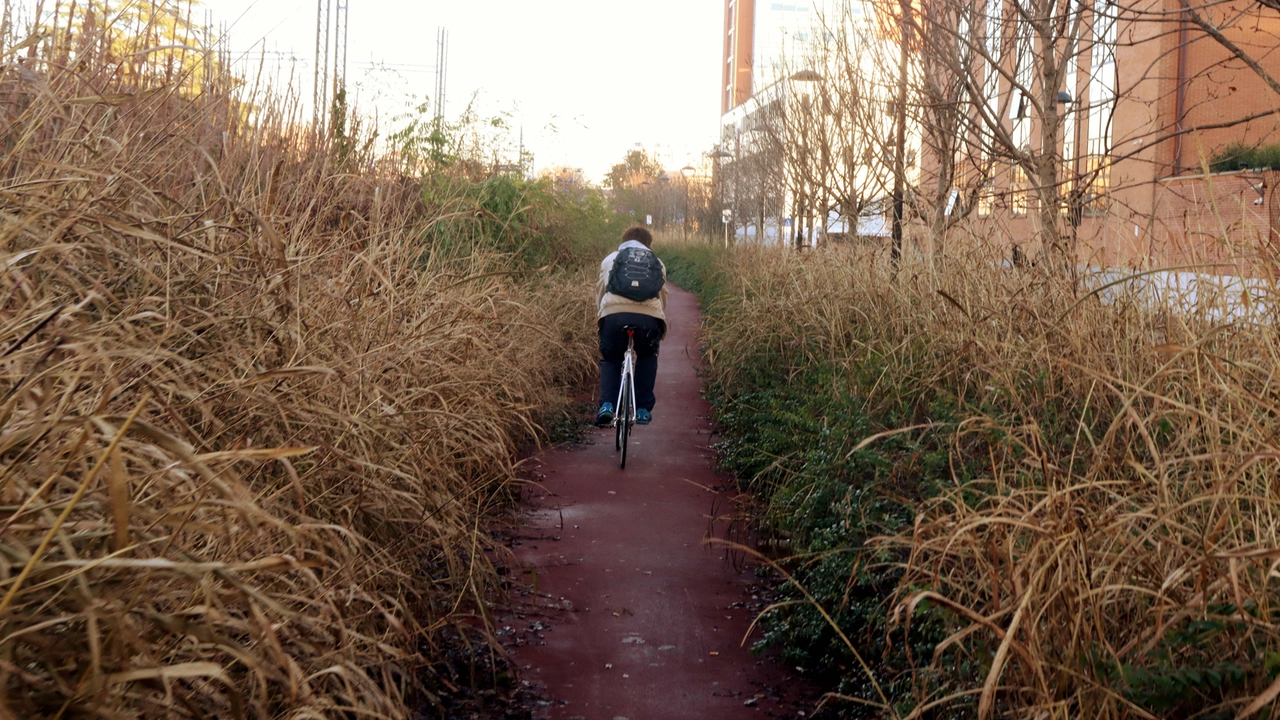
{"x": 605, "y": 74}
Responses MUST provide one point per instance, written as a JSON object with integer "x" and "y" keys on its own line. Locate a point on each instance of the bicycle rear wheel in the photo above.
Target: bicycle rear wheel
{"x": 624, "y": 424}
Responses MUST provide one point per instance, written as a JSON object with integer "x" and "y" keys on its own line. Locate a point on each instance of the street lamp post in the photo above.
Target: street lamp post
{"x": 648, "y": 201}
{"x": 718, "y": 178}
{"x": 687, "y": 171}
{"x": 665, "y": 196}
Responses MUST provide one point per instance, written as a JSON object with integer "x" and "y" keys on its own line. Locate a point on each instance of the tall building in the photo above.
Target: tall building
{"x": 758, "y": 34}
{"x": 739, "y": 27}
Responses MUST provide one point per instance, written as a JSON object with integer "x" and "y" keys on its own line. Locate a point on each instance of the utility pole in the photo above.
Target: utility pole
{"x": 340, "y": 52}
{"x": 320, "y": 85}
{"x": 331, "y": 44}
{"x": 442, "y": 71}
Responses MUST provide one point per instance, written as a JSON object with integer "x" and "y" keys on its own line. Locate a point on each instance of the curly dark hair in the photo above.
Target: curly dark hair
{"x": 639, "y": 234}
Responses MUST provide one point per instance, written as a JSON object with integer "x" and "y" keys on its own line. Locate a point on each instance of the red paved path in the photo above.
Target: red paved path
{"x": 649, "y": 632}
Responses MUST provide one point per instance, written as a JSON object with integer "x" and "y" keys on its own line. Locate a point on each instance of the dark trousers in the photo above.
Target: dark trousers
{"x": 613, "y": 346}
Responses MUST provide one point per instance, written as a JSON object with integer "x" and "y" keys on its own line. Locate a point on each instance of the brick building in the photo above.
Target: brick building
{"x": 739, "y": 34}
{"x": 1149, "y": 99}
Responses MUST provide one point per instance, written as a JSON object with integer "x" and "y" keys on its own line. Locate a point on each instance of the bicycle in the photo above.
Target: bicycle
{"x": 625, "y": 415}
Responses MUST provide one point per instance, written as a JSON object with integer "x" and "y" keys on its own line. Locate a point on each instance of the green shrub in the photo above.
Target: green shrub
{"x": 528, "y": 220}
{"x": 1238, "y": 156}
{"x": 692, "y": 267}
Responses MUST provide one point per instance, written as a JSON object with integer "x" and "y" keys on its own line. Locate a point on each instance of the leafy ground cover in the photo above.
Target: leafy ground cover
{"x": 1001, "y": 496}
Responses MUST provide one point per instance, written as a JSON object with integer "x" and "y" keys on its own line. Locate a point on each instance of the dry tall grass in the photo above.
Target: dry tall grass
{"x": 1118, "y": 556}
{"x": 249, "y": 424}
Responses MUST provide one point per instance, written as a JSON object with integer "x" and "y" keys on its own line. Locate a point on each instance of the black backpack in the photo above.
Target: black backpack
{"x": 636, "y": 274}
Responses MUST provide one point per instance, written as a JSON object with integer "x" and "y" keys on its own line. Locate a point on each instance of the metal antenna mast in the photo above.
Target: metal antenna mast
{"x": 320, "y": 88}
{"x": 442, "y": 70}
{"x": 340, "y": 52}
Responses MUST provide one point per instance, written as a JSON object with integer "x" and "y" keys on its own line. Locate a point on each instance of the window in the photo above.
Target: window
{"x": 1069, "y": 126}
{"x": 993, "y": 28}
{"x": 1102, "y": 102}
{"x": 1098, "y": 176}
{"x": 1020, "y": 201}
{"x": 1024, "y": 77}
{"x": 991, "y": 83}
{"x": 986, "y": 200}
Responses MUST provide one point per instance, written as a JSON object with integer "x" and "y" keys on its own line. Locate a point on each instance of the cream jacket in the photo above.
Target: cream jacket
{"x": 607, "y": 303}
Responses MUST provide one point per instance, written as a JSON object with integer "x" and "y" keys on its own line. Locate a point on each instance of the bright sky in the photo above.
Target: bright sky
{"x": 588, "y": 79}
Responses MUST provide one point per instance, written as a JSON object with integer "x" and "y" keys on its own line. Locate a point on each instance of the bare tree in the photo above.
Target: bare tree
{"x": 847, "y": 123}
{"x": 996, "y": 107}
{"x": 954, "y": 170}
{"x": 995, "y": 76}
{"x": 827, "y": 124}
{"x": 752, "y": 178}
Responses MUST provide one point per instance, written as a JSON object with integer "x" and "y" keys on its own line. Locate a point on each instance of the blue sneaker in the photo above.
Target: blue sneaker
{"x": 605, "y": 415}
{"x": 643, "y": 417}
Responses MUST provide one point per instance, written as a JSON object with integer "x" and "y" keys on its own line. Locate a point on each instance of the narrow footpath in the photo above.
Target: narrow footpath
{"x": 636, "y": 615}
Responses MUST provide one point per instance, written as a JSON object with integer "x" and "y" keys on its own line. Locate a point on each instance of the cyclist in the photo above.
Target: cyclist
{"x": 630, "y": 294}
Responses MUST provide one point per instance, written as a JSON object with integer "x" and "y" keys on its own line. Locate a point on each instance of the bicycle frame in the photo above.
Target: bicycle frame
{"x": 625, "y": 416}
{"x": 628, "y": 383}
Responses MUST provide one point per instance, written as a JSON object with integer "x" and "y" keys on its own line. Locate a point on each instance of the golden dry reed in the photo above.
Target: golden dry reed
{"x": 1118, "y": 547}
{"x": 249, "y": 423}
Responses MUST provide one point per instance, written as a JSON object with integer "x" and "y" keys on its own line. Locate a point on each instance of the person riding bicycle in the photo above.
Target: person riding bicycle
{"x": 631, "y": 293}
